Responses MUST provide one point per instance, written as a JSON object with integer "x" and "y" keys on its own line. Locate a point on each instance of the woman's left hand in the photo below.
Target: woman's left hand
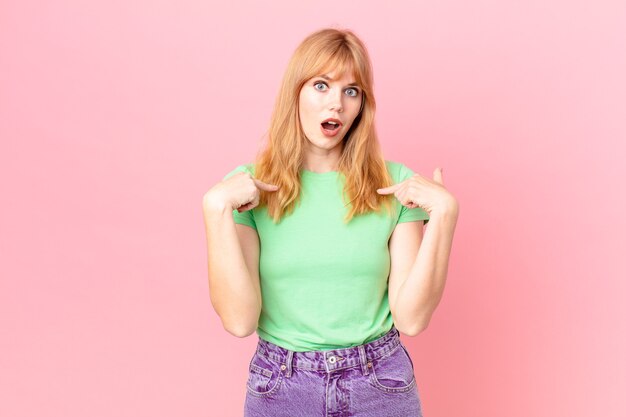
{"x": 419, "y": 191}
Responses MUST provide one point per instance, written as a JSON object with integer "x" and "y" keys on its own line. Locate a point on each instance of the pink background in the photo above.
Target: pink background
{"x": 116, "y": 118}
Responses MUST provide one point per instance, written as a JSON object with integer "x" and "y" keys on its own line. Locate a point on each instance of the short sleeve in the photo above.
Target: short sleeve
{"x": 246, "y": 217}
{"x": 410, "y": 214}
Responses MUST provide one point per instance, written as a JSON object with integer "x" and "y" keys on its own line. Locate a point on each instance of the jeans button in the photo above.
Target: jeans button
{"x": 332, "y": 359}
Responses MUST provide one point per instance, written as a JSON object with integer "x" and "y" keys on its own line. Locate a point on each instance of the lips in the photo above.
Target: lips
{"x": 331, "y": 124}
{"x": 329, "y": 133}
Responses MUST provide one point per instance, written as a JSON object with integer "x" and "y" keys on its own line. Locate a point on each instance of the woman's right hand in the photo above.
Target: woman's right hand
{"x": 241, "y": 191}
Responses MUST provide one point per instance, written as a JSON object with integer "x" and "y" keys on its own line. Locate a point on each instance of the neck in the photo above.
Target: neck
{"x": 329, "y": 161}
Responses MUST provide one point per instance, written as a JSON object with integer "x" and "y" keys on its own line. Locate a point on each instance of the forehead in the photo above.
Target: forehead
{"x": 348, "y": 75}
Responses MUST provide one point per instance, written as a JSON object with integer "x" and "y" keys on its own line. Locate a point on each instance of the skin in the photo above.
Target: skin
{"x": 418, "y": 191}
{"x": 420, "y": 261}
{"x": 319, "y": 99}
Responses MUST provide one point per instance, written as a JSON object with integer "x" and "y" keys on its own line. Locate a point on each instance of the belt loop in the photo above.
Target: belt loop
{"x": 289, "y": 360}
{"x": 363, "y": 360}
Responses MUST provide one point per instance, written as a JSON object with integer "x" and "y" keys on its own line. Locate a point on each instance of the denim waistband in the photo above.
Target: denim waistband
{"x": 331, "y": 360}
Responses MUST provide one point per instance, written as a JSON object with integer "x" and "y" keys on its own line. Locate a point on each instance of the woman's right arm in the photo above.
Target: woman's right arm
{"x": 233, "y": 257}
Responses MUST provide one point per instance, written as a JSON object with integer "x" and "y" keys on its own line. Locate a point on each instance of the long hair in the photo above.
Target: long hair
{"x": 361, "y": 161}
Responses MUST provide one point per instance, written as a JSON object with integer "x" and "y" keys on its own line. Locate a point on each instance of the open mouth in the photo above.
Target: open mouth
{"x": 329, "y": 129}
{"x": 330, "y": 125}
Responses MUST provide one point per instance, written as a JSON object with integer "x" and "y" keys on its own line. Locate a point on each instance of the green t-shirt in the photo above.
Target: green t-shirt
{"x": 323, "y": 282}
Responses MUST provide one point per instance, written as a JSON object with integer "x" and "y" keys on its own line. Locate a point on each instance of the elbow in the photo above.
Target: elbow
{"x": 241, "y": 327}
{"x": 238, "y": 322}
{"x": 240, "y": 330}
{"x": 414, "y": 329}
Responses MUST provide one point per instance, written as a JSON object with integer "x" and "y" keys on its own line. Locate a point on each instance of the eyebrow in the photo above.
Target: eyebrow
{"x": 351, "y": 84}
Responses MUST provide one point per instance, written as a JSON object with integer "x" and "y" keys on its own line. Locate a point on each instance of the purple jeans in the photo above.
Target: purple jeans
{"x": 373, "y": 379}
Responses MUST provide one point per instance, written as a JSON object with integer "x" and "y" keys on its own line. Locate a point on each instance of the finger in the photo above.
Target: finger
{"x": 406, "y": 200}
{"x": 400, "y": 195}
{"x": 245, "y": 207}
{"x": 438, "y": 175}
{"x": 264, "y": 186}
{"x": 389, "y": 190}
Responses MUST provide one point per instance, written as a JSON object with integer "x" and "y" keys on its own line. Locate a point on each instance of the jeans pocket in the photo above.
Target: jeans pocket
{"x": 394, "y": 371}
{"x": 264, "y": 376}
{"x": 408, "y": 356}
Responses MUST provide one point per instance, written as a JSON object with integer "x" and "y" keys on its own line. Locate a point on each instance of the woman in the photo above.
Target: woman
{"x": 340, "y": 228}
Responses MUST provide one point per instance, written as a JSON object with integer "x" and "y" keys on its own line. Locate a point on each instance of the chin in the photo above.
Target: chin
{"x": 326, "y": 143}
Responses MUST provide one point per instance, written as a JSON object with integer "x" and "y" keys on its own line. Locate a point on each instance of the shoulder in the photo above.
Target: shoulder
{"x": 398, "y": 171}
{"x": 249, "y": 167}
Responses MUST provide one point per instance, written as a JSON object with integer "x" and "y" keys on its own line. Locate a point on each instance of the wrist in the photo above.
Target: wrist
{"x": 448, "y": 211}
{"x": 213, "y": 203}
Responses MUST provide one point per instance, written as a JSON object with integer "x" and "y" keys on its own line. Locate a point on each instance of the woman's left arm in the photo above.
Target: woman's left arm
{"x": 415, "y": 295}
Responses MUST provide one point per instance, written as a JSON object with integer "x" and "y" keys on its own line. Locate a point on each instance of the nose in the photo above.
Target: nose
{"x": 334, "y": 102}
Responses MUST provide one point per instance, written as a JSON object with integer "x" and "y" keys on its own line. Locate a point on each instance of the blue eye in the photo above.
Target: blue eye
{"x": 319, "y": 83}
{"x": 356, "y": 92}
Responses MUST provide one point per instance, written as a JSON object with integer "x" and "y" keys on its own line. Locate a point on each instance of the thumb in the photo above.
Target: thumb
{"x": 389, "y": 190}
{"x": 264, "y": 186}
{"x": 438, "y": 175}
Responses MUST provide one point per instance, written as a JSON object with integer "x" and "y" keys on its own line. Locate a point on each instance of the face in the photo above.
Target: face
{"x": 323, "y": 98}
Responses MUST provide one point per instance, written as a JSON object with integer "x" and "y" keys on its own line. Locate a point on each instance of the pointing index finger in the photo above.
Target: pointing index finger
{"x": 390, "y": 189}
{"x": 267, "y": 187}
